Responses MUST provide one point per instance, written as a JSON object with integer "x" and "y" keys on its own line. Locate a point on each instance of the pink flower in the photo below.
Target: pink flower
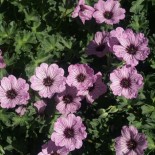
{"x": 109, "y": 12}
{"x": 97, "y": 89}
{"x": 68, "y": 101}
{"x": 98, "y": 46}
{"x": 40, "y": 105}
{"x": 132, "y": 48}
{"x": 130, "y": 142}
{"x": 84, "y": 11}
{"x": 80, "y": 76}
{"x": 126, "y": 82}
{"x": 21, "y": 110}
{"x": 13, "y": 92}
{"x": 51, "y": 149}
{"x": 115, "y": 36}
{"x": 2, "y": 63}
{"x": 69, "y": 132}
{"x": 48, "y": 80}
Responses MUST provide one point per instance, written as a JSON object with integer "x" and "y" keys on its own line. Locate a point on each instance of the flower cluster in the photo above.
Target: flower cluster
{"x": 49, "y": 80}
{"x": 108, "y": 12}
{"x": 81, "y": 82}
{"x": 127, "y": 46}
{"x": 130, "y": 47}
{"x": 2, "y": 63}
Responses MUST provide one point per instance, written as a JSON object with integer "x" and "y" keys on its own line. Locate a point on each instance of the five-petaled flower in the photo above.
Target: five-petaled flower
{"x": 48, "y": 80}
{"x": 98, "y": 46}
{"x": 69, "y": 131}
{"x": 130, "y": 142}
{"x": 132, "y": 47}
{"x": 126, "y": 82}
{"x": 85, "y": 12}
{"x": 68, "y": 101}
{"x": 80, "y": 76}
{"x": 109, "y": 12}
{"x": 13, "y": 92}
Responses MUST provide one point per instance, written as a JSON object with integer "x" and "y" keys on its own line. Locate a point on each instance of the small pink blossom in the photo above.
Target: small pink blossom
{"x": 48, "y": 80}
{"x": 126, "y": 82}
{"x": 2, "y": 63}
{"x": 13, "y": 92}
{"x": 109, "y": 12}
{"x": 68, "y": 101}
{"x": 97, "y": 89}
{"x": 21, "y": 110}
{"x": 69, "y": 132}
{"x": 80, "y": 76}
{"x": 98, "y": 46}
{"x": 84, "y": 11}
{"x": 40, "y": 105}
{"x": 51, "y": 149}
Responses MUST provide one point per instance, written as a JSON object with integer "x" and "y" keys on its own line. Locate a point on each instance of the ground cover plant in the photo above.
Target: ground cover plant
{"x": 77, "y": 77}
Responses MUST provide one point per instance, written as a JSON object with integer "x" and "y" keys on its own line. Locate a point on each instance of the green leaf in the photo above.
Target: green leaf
{"x": 147, "y": 109}
{"x": 5, "y": 117}
{"x": 136, "y": 6}
{"x": 24, "y": 42}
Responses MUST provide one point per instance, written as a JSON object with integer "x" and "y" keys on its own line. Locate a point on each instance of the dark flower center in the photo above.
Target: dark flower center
{"x": 67, "y": 99}
{"x": 108, "y": 15}
{"x": 11, "y": 94}
{"x": 125, "y": 83}
{"x": 55, "y": 153}
{"x": 82, "y": 8}
{"x": 81, "y": 77}
{"x": 92, "y": 88}
{"x": 100, "y": 47}
{"x": 69, "y": 132}
{"x": 48, "y": 82}
{"x": 131, "y": 144}
{"x": 132, "y": 49}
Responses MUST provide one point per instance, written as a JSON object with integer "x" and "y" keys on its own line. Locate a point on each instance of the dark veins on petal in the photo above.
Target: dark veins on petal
{"x": 108, "y": 15}
{"x": 132, "y": 49}
{"x": 48, "y": 82}
{"x": 69, "y": 132}
{"x": 67, "y": 99}
{"x": 81, "y": 77}
{"x": 125, "y": 83}
{"x": 131, "y": 144}
{"x": 11, "y": 94}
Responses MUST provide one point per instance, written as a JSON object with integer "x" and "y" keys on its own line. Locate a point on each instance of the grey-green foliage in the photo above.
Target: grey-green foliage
{"x": 33, "y": 32}
{"x": 139, "y": 21}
